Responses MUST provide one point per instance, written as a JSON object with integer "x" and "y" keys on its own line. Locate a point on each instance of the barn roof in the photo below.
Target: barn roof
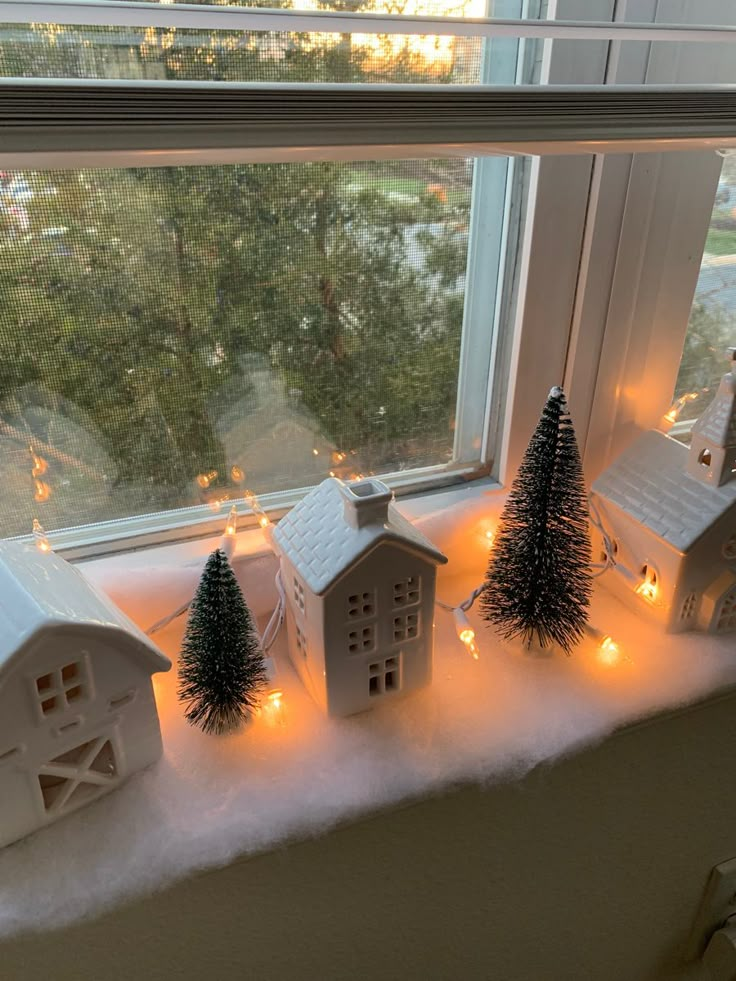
{"x": 323, "y": 540}
{"x": 649, "y": 482}
{"x": 40, "y": 591}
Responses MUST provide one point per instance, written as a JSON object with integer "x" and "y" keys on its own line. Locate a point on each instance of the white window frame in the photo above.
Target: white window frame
{"x": 567, "y": 320}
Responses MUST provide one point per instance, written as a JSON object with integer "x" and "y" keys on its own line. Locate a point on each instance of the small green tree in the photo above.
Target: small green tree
{"x": 221, "y": 668}
{"x": 538, "y": 582}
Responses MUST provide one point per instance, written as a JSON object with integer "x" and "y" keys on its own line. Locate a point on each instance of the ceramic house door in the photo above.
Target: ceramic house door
{"x": 80, "y": 774}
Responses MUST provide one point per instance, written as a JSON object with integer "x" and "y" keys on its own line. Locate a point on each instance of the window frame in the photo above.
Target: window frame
{"x": 571, "y": 202}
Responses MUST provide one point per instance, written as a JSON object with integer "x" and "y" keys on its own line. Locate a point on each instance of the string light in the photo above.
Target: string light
{"x": 252, "y": 501}
{"x": 672, "y": 415}
{"x": 273, "y": 709}
{"x": 232, "y": 521}
{"x": 237, "y": 475}
{"x": 41, "y": 491}
{"x": 647, "y": 588}
{"x": 40, "y": 466}
{"x": 609, "y": 653}
{"x": 466, "y": 633}
{"x": 205, "y": 479}
{"x": 39, "y": 536}
{"x": 315, "y": 451}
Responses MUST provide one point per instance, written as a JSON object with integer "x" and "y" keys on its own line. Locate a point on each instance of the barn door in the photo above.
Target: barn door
{"x": 79, "y": 775}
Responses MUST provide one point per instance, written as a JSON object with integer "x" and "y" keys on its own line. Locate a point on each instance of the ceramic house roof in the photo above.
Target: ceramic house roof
{"x": 322, "y": 544}
{"x": 649, "y": 482}
{"x": 718, "y": 423}
{"x": 39, "y": 591}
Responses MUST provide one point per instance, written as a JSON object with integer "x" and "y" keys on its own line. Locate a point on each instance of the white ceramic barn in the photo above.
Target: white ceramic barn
{"x": 671, "y": 513}
{"x": 77, "y": 709}
{"x": 360, "y": 584}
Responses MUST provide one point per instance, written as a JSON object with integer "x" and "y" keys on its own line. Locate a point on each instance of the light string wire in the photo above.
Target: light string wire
{"x": 459, "y": 610}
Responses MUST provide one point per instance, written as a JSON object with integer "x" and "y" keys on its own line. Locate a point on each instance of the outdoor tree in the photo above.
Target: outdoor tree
{"x": 538, "y": 582}
{"x": 221, "y": 667}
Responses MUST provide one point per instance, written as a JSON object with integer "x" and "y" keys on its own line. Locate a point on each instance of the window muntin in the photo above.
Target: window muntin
{"x": 61, "y": 689}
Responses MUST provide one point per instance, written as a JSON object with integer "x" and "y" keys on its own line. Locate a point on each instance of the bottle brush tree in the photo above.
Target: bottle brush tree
{"x": 221, "y": 668}
{"x": 538, "y": 582}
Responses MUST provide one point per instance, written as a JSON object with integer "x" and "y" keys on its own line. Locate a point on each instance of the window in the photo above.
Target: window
{"x": 61, "y": 689}
{"x": 729, "y": 548}
{"x": 362, "y": 641}
{"x": 407, "y": 592}
{"x": 689, "y": 606}
{"x": 361, "y": 605}
{"x": 299, "y": 595}
{"x": 406, "y": 627}
{"x": 384, "y": 676}
{"x": 255, "y": 312}
{"x": 301, "y": 642}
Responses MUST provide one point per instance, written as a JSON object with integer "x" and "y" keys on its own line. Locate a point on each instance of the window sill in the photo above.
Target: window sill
{"x": 212, "y": 800}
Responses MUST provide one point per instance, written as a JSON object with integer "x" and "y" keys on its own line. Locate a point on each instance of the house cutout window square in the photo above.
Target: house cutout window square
{"x": 62, "y": 688}
{"x": 362, "y": 639}
{"x": 299, "y": 595}
{"x": 406, "y": 627}
{"x": 301, "y": 642}
{"x": 384, "y": 676}
{"x": 78, "y": 775}
{"x": 727, "y": 615}
{"x": 361, "y": 605}
{"x": 407, "y": 592}
{"x": 688, "y": 606}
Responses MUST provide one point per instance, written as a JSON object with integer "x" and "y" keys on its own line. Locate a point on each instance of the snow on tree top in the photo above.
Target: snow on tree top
{"x": 650, "y": 483}
{"x": 337, "y": 523}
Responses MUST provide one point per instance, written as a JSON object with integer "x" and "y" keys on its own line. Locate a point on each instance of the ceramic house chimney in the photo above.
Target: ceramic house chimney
{"x": 366, "y": 502}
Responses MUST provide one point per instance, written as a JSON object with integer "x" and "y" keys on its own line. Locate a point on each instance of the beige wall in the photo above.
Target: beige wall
{"x": 589, "y": 870}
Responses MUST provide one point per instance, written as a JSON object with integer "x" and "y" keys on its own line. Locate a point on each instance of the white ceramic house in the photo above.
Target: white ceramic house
{"x": 360, "y": 586}
{"x": 77, "y": 709}
{"x": 671, "y": 513}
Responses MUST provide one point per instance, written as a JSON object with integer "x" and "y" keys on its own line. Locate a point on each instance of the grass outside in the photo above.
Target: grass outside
{"x": 721, "y": 241}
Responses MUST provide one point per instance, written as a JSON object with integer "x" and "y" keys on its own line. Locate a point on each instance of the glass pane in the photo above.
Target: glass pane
{"x": 171, "y": 337}
{"x": 712, "y": 325}
{"x": 183, "y": 54}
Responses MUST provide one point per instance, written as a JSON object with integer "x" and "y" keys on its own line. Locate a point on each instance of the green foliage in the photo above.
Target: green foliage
{"x": 141, "y": 299}
{"x": 538, "y": 582}
{"x": 221, "y": 668}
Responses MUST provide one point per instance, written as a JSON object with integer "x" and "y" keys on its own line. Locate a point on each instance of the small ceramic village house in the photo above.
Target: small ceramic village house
{"x": 670, "y": 511}
{"x": 77, "y": 708}
{"x": 360, "y": 586}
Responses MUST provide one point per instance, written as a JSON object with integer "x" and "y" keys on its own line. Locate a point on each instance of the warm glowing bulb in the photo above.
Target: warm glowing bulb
{"x": 39, "y": 535}
{"x": 273, "y": 708}
{"x": 263, "y": 521}
{"x": 232, "y": 521}
{"x": 315, "y": 452}
{"x": 40, "y": 466}
{"x": 671, "y": 416}
{"x": 41, "y": 491}
{"x": 490, "y": 535}
{"x": 609, "y": 653}
{"x": 647, "y": 590}
{"x": 237, "y": 475}
{"x": 466, "y": 633}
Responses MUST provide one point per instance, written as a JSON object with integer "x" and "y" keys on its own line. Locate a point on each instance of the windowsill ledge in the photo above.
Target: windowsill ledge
{"x": 210, "y": 801}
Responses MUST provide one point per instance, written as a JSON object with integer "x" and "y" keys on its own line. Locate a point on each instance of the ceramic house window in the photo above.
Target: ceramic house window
{"x": 407, "y": 592}
{"x": 406, "y": 627}
{"x": 361, "y": 605}
{"x": 60, "y": 689}
{"x": 384, "y": 676}
{"x": 77, "y": 775}
{"x": 727, "y": 617}
{"x": 362, "y": 640}
{"x": 688, "y": 606}
{"x": 299, "y": 594}
{"x": 301, "y": 642}
{"x": 729, "y": 549}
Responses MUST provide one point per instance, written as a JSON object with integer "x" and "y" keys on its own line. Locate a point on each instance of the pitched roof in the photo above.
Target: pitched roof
{"x": 718, "y": 423}
{"x": 322, "y": 544}
{"x": 40, "y": 590}
{"x": 650, "y": 483}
